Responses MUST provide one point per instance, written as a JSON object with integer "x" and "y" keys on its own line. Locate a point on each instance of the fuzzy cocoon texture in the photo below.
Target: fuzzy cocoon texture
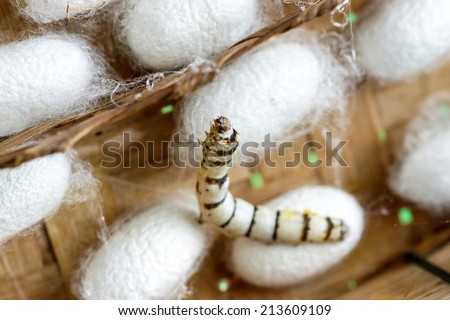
{"x": 398, "y": 39}
{"x": 422, "y": 174}
{"x": 45, "y": 78}
{"x": 151, "y": 256}
{"x": 44, "y": 11}
{"x": 32, "y": 192}
{"x": 280, "y": 265}
{"x": 282, "y": 87}
{"x": 166, "y": 34}
{"x": 37, "y": 188}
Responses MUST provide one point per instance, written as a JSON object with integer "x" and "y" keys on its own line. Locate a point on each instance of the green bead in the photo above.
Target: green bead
{"x": 352, "y": 285}
{"x": 223, "y": 285}
{"x": 405, "y": 216}
{"x": 352, "y": 17}
{"x": 382, "y": 134}
{"x": 313, "y": 158}
{"x": 167, "y": 109}
{"x": 256, "y": 180}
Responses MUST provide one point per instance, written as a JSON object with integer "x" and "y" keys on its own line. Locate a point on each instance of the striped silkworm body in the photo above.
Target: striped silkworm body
{"x": 237, "y": 217}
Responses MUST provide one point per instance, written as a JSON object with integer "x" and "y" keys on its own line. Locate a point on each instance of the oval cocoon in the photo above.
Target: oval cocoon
{"x": 415, "y": 177}
{"x": 44, "y": 11}
{"x": 44, "y": 78}
{"x": 165, "y": 34}
{"x": 398, "y": 39}
{"x": 280, "y": 265}
{"x": 149, "y": 257}
{"x": 281, "y": 88}
{"x": 427, "y": 184}
{"x": 31, "y": 192}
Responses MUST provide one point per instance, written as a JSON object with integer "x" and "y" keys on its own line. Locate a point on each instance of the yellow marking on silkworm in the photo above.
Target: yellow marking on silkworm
{"x": 290, "y": 214}
{"x": 309, "y": 213}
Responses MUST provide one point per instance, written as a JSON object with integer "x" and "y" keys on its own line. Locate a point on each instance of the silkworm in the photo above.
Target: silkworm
{"x": 237, "y": 217}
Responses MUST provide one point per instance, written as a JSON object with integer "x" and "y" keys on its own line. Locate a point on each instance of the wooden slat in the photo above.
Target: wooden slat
{"x": 27, "y": 267}
{"x": 43, "y": 284}
{"x": 75, "y": 230}
{"x": 407, "y": 282}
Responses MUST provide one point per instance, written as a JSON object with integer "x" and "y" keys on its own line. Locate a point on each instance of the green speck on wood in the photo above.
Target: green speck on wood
{"x": 313, "y": 158}
{"x": 405, "y": 216}
{"x": 382, "y": 134}
{"x": 167, "y": 109}
{"x": 223, "y": 285}
{"x": 352, "y": 285}
{"x": 352, "y": 17}
{"x": 256, "y": 180}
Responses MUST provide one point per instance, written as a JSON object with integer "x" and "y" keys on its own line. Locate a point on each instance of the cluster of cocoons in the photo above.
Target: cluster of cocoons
{"x": 151, "y": 256}
{"x": 47, "y": 77}
{"x": 44, "y": 11}
{"x": 422, "y": 175}
{"x": 399, "y": 39}
{"x": 282, "y": 87}
{"x": 166, "y": 34}
{"x": 281, "y": 265}
{"x": 32, "y": 192}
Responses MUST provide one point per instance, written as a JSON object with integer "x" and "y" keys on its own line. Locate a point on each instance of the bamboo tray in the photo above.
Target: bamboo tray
{"x": 41, "y": 265}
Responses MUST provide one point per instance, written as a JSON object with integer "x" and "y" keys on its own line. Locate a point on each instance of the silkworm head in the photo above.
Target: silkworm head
{"x": 222, "y": 124}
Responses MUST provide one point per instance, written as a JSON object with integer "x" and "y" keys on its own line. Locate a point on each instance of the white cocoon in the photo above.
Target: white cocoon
{"x": 31, "y": 192}
{"x": 280, "y": 265}
{"x": 398, "y": 39}
{"x": 166, "y": 34}
{"x": 282, "y": 87}
{"x": 150, "y": 256}
{"x": 44, "y": 11}
{"x": 44, "y": 78}
{"x": 422, "y": 174}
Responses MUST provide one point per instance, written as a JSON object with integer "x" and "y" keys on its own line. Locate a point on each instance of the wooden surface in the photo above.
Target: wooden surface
{"x": 42, "y": 263}
{"x": 406, "y": 282}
